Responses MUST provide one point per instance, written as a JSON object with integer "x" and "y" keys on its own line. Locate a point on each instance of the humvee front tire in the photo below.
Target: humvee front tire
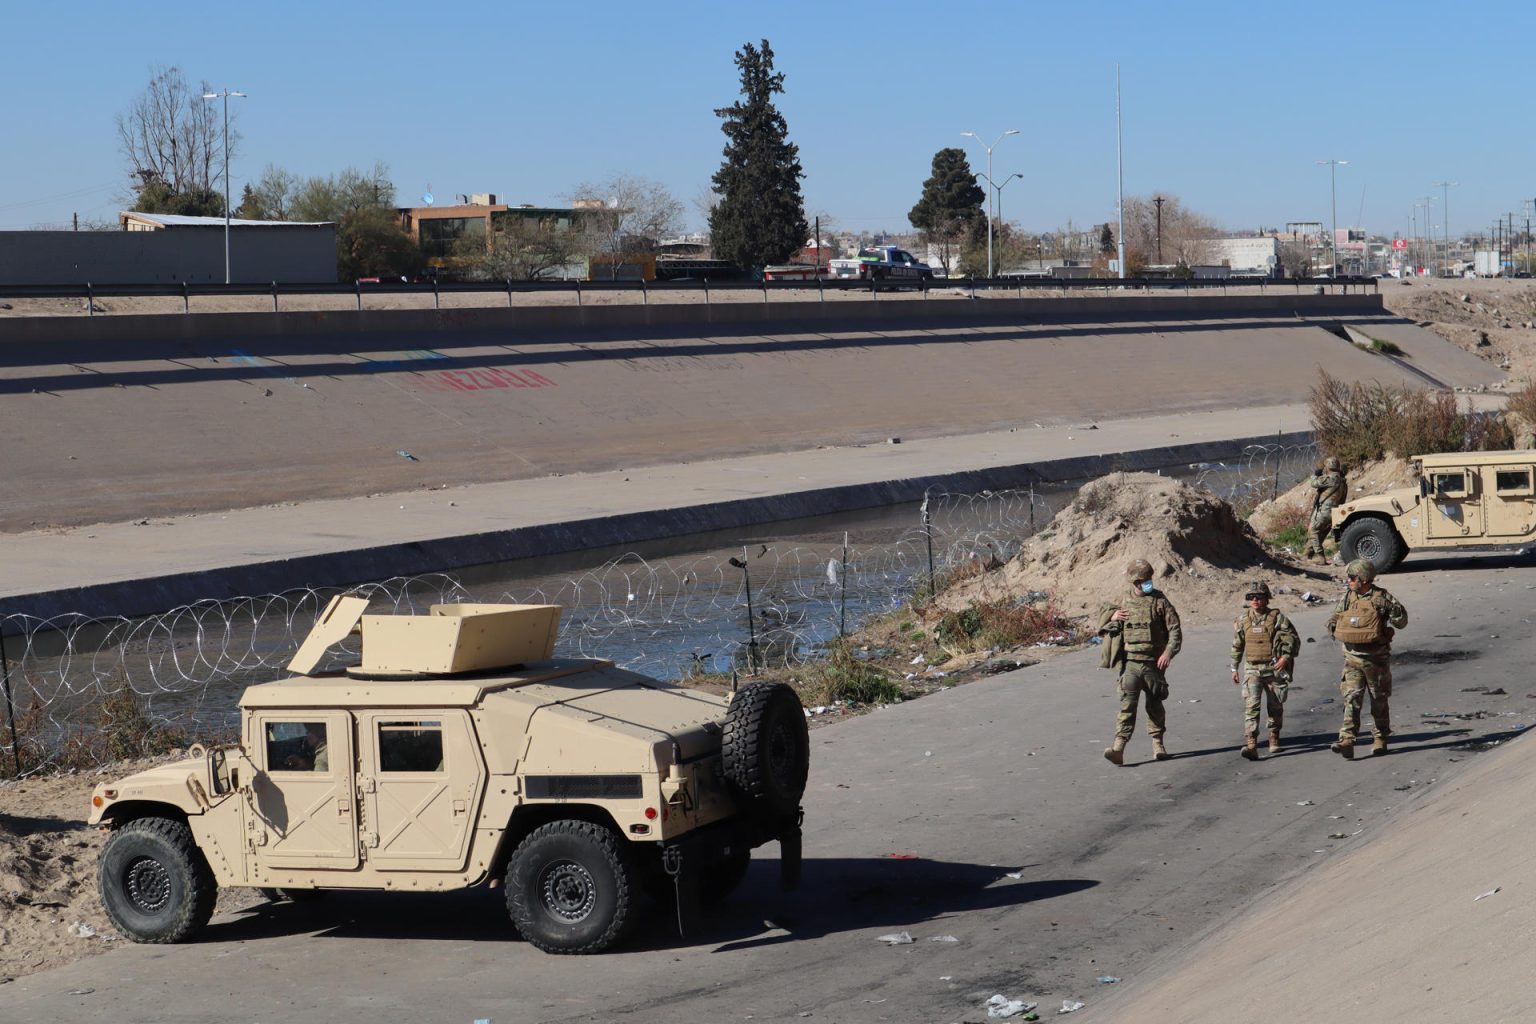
{"x": 1373, "y": 540}
{"x": 569, "y": 887}
{"x": 154, "y": 882}
{"x": 767, "y": 748}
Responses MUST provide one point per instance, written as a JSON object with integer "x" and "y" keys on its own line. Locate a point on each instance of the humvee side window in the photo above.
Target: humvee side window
{"x": 297, "y": 747}
{"x": 1512, "y": 481}
{"x": 1450, "y": 485}
{"x": 410, "y": 746}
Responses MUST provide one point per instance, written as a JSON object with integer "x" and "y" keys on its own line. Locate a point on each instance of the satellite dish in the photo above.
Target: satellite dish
{"x": 613, "y": 202}
{"x": 426, "y": 197}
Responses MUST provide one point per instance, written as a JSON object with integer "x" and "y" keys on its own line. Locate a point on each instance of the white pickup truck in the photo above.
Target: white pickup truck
{"x": 882, "y": 262}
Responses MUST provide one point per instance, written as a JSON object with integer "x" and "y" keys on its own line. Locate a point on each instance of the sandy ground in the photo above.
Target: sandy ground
{"x": 50, "y": 913}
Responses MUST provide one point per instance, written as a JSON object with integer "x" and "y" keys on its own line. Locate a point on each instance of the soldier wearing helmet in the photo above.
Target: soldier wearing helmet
{"x": 1141, "y": 636}
{"x": 1364, "y": 622}
{"x": 1330, "y": 488}
{"x": 1264, "y": 646}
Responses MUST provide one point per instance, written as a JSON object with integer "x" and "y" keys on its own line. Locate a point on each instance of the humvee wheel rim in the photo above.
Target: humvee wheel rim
{"x": 569, "y": 891}
{"x": 1368, "y": 548}
{"x": 148, "y": 884}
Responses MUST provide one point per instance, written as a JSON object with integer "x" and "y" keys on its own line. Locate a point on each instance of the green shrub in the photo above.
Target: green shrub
{"x": 844, "y": 676}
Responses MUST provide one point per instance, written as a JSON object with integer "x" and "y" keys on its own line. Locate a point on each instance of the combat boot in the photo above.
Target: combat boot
{"x": 1251, "y": 746}
{"x": 1115, "y": 754}
{"x": 1159, "y": 752}
{"x": 1379, "y": 746}
{"x": 1344, "y": 748}
{"x": 1274, "y": 741}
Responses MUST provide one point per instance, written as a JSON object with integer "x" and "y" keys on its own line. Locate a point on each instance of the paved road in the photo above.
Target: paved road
{"x": 917, "y": 816}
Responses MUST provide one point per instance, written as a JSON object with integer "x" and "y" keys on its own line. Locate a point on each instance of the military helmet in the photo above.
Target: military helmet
{"x": 1139, "y": 569}
{"x": 1258, "y": 588}
{"x": 1331, "y": 464}
{"x": 1363, "y": 568}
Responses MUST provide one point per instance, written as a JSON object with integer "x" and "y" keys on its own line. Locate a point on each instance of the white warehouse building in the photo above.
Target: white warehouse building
{"x": 1247, "y": 256}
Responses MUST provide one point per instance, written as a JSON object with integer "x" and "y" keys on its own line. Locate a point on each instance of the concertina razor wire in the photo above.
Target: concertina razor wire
{"x": 670, "y": 617}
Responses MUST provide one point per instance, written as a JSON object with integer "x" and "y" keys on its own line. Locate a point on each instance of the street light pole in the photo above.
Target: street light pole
{"x": 225, "y": 95}
{"x": 1333, "y": 192}
{"x": 1445, "y": 214}
{"x": 973, "y": 135}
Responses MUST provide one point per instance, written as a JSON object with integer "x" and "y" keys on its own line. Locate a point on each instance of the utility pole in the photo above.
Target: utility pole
{"x": 1119, "y": 174}
{"x": 1333, "y": 193}
{"x": 1158, "y": 202}
{"x": 225, "y": 94}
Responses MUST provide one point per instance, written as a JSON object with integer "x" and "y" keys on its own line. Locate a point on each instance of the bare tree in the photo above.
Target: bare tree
{"x": 172, "y": 138}
{"x": 1185, "y": 236}
{"x": 635, "y": 213}
{"x": 519, "y": 249}
{"x": 271, "y": 196}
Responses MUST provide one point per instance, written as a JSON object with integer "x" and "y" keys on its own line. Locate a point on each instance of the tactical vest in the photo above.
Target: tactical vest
{"x": 1361, "y": 622}
{"x": 1259, "y": 637}
{"x": 1140, "y": 643}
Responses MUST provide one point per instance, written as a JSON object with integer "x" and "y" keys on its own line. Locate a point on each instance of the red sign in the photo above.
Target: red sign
{"x": 1399, "y": 243}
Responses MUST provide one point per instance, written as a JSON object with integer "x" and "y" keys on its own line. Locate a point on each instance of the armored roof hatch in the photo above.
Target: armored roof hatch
{"x": 451, "y": 639}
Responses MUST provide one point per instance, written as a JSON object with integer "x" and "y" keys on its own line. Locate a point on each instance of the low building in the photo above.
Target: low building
{"x": 1245, "y": 256}
{"x": 158, "y": 248}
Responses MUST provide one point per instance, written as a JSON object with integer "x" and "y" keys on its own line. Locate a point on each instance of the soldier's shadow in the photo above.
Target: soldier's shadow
{"x": 1310, "y": 743}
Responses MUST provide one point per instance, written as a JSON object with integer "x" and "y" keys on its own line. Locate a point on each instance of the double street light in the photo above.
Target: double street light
{"x": 973, "y": 135}
{"x": 225, "y": 95}
{"x": 998, "y": 190}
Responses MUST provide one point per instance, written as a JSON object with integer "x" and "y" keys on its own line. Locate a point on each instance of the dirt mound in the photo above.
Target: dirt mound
{"x": 1202, "y": 554}
{"x": 1493, "y": 319}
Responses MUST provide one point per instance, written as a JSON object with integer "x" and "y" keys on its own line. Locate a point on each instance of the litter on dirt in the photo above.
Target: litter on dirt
{"x": 1000, "y": 1006}
{"x": 1068, "y": 1006}
{"x": 1485, "y": 895}
{"x": 896, "y": 938}
{"x": 1107, "y": 979}
{"x": 942, "y": 938}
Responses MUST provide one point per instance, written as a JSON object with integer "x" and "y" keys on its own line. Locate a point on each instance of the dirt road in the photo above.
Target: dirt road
{"x": 984, "y": 813}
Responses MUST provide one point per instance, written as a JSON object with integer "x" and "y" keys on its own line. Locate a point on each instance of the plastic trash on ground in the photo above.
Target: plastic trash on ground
{"x": 1068, "y": 1006}
{"x": 1000, "y": 1006}
{"x": 896, "y": 938}
{"x": 1107, "y": 979}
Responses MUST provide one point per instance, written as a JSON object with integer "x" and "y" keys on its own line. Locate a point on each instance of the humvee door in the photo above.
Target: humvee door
{"x": 302, "y": 812}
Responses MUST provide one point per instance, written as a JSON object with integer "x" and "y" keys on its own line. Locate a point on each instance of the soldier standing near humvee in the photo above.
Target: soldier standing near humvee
{"x": 1264, "y": 645}
{"x": 1364, "y": 621}
{"x": 1331, "y": 489}
{"x": 1141, "y": 636}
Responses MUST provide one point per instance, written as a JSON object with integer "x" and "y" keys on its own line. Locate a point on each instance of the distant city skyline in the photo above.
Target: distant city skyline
{"x": 1230, "y": 111}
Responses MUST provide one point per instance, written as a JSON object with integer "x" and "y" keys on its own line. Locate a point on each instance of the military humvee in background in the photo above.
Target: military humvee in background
{"x": 457, "y": 754}
{"x": 1463, "y": 500}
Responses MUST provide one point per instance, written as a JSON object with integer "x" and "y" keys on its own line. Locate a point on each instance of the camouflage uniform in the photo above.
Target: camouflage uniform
{"x": 1331, "y": 489}
{"x": 1367, "y": 662}
{"x": 1150, "y": 629}
{"x": 1251, "y": 633}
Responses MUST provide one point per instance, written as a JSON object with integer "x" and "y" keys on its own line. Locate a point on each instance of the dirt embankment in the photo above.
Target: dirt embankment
{"x": 1494, "y": 319}
{"x": 1202, "y": 554}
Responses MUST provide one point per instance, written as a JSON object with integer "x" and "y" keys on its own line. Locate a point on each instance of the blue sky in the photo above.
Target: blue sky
{"x": 1226, "y": 105}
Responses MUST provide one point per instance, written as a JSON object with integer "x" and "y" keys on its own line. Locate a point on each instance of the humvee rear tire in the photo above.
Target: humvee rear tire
{"x": 569, "y": 887}
{"x": 1373, "y": 540}
{"x": 767, "y": 748}
{"x": 154, "y": 882}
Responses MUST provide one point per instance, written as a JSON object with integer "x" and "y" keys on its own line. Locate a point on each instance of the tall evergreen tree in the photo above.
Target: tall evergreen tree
{"x": 760, "y": 217}
{"x": 950, "y": 206}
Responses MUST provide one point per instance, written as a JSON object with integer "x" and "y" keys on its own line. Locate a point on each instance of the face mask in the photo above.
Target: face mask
{"x": 1146, "y": 586}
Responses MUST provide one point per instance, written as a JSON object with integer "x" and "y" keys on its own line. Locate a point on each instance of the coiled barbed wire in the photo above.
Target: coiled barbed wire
{"x": 671, "y": 617}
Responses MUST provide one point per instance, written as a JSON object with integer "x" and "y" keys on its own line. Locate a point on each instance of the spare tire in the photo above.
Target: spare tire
{"x": 767, "y": 748}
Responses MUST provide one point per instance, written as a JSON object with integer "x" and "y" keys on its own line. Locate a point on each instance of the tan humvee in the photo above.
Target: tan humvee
{"x": 1463, "y": 500}
{"x": 457, "y": 754}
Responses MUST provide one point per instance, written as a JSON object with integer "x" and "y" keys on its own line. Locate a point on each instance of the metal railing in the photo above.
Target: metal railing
{"x": 967, "y": 287}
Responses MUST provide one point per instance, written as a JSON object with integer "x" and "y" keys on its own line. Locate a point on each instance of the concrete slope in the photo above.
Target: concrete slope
{"x": 1431, "y": 354}
{"x": 228, "y": 412}
{"x": 1398, "y": 929}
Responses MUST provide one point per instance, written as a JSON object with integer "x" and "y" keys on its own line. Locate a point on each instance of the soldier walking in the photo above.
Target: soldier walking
{"x": 1264, "y": 645}
{"x": 1141, "y": 635}
{"x": 1364, "y": 622}
{"x": 1331, "y": 489}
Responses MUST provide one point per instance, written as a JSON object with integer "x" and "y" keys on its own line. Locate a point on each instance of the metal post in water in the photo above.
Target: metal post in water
{"x": 928, "y": 535}
{"x": 842, "y": 619}
{"x": 10, "y": 708}
{"x": 746, "y": 582}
